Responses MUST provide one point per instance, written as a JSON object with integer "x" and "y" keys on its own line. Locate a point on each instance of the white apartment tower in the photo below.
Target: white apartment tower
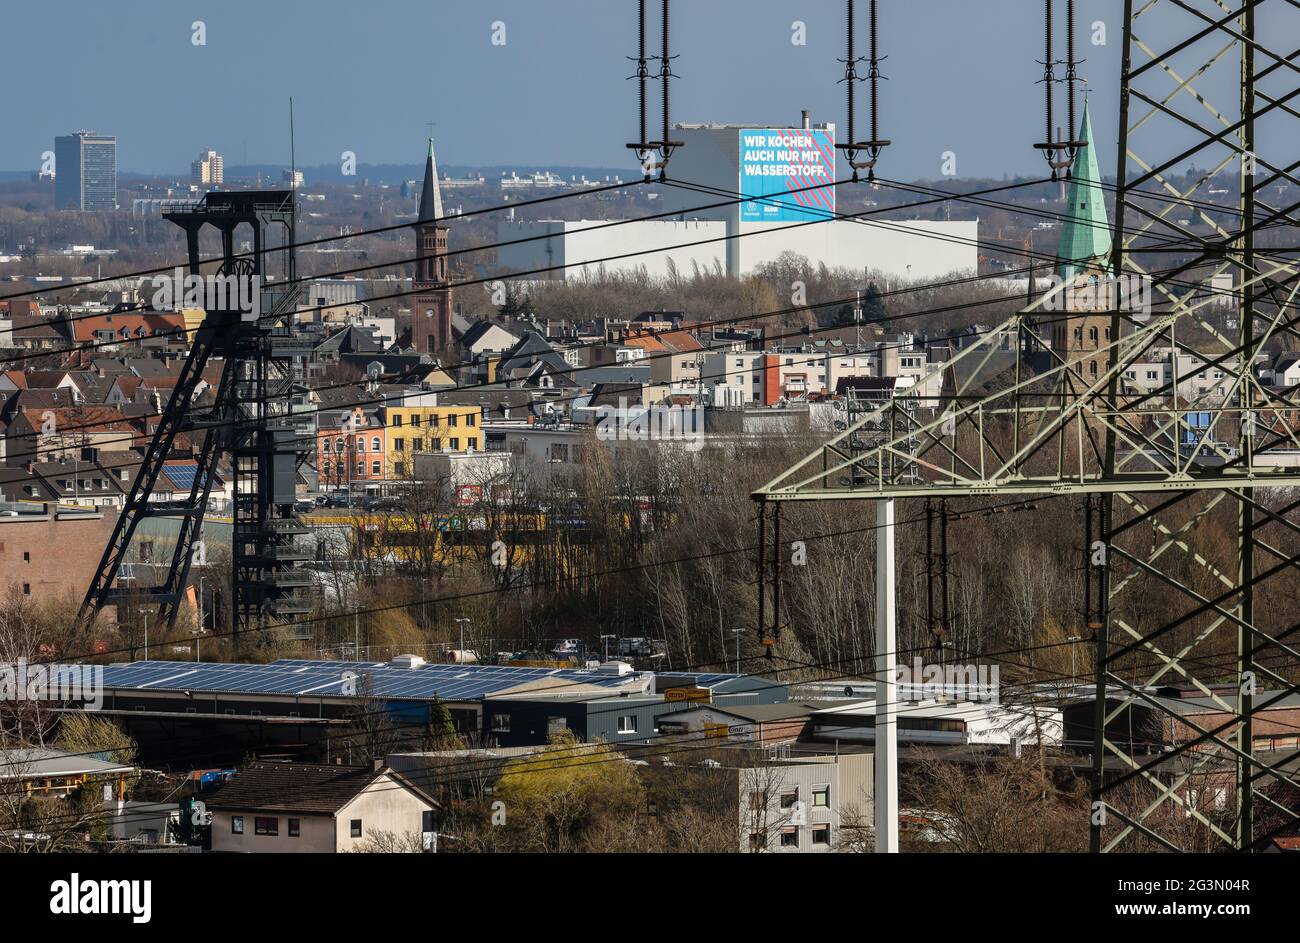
{"x": 208, "y": 170}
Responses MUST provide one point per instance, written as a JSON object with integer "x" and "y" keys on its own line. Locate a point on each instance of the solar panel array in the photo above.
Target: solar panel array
{"x": 290, "y": 677}
{"x": 182, "y": 474}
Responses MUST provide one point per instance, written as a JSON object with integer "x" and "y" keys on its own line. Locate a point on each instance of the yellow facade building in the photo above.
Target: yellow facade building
{"x": 415, "y": 429}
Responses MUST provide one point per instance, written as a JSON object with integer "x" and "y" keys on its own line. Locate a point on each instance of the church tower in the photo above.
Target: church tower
{"x": 1083, "y": 256}
{"x": 431, "y": 299}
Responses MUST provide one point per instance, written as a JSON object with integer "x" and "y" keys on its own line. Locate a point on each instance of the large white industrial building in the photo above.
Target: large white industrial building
{"x": 775, "y": 174}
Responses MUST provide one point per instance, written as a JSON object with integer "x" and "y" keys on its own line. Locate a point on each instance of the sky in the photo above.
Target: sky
{"x": 368, "y": 77}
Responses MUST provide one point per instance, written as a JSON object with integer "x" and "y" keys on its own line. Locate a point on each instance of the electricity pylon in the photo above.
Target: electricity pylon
{"x": 1160, "y": 422}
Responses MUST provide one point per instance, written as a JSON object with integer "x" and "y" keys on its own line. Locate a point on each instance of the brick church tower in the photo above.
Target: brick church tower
{"x": 1082, "y": 336}
{"x": 431, "y": 301}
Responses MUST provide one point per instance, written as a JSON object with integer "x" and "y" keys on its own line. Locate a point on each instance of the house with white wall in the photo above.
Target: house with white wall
{"x": 299, "y": 807}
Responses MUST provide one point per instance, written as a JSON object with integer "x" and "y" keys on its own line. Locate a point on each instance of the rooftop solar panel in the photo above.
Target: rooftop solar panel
{"x": 182, "y": 475}
{"x": 324, "y": 678}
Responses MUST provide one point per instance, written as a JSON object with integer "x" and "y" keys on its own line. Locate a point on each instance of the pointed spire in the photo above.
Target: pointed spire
{"x": 1085, "y": 234}
{"x": 430, "y": 195}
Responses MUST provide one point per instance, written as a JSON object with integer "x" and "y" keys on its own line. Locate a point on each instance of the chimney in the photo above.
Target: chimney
{"x": 378, "y": 764}
{"x": 806, "y": 124}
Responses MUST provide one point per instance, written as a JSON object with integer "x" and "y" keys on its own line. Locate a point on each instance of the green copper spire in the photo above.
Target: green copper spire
{"x": 1085, "y": 234}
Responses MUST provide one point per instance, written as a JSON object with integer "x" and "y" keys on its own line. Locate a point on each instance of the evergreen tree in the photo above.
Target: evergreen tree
{"x": 873, "y": 306}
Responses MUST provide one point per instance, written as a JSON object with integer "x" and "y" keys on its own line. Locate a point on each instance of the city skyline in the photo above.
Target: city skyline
{"x": 501, "y": 105}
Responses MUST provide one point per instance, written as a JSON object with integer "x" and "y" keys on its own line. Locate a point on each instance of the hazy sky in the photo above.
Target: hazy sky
{"x": 368, "y": 76}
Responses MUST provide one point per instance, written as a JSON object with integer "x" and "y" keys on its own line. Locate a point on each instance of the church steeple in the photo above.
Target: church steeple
{"x": 430, "y": 194}
{"x": 1085, "y": 234}
{"x": 432, "y": 305}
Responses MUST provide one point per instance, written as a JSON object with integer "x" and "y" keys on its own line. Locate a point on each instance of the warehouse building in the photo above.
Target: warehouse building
{"x": 301, "y": 708}
{"x": 776, "y": 184}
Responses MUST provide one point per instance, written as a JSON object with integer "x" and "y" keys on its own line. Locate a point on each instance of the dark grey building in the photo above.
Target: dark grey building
{"x": 632, "y": 717}
{"x": 85, "y": 171}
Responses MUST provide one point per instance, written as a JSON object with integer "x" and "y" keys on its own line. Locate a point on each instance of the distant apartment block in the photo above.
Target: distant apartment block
{"x": 85, "y": 171}
{"x": 208, "y": 170}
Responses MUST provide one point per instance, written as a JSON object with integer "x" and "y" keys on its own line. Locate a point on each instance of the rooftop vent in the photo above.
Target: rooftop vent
{"x": 406, "y": 661}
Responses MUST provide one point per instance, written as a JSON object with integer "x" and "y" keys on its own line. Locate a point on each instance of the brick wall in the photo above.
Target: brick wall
{"x": 52, "y": 555}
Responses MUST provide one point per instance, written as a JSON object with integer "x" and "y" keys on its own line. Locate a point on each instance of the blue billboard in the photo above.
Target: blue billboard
{"x": 793, "y": 169}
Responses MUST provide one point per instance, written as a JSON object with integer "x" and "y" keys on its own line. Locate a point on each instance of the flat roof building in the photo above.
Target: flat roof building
{"x": 85, "y": 167}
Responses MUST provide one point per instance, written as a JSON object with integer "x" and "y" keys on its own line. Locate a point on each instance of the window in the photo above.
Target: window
{"x": 374, "y": 469}
{"x": 426, "y": 820}
{"x": 295, "y": 828}
{"x": 415, "y": 419}
{"x": 789, "y": 838}
{"x": 361, "y": 469}
{"x": 397, "y": 421}
{"x": 338, "y": 444}
{"x": 500, "y": 723}
{"x": 27, "y": 589}
{"x": 236, "y": 825}
{"x": 266, "y": 825}
{"x": 627, "y": 723}
{"x": 451, "y": 420}
{"x": 27, "y": 556}
{"x": 399, "y": 444}
{"x": 789, "y": 798}
{"x": 417, "y": 445}
{"x": 757, "y": 842}
{"x": 455, "y": 445}
{"x": 361, "y": 444}
{"x": 356, "y": 828}
{"x": 821, "y": 835}
{"x": 469, "y": 420}
{"x": 821, "y": 796}
{"x": 757, "y": 800}
{"x": 374, "y": 444}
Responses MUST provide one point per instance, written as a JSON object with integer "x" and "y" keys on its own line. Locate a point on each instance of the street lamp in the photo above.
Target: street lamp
{"x": 461, "y": 623}
{"x": 736, "y": 633}
{"x": 605, "y": 639}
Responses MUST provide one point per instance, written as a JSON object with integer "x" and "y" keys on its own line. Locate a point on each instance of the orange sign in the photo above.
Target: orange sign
{"x": 689, "y": 695}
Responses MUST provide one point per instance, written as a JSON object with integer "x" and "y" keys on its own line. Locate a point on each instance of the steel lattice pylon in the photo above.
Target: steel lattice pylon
{"x": 1200, "y": 87}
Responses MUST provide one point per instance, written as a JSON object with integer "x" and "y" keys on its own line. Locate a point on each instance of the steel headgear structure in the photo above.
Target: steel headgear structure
{"x": 251, "y": 421}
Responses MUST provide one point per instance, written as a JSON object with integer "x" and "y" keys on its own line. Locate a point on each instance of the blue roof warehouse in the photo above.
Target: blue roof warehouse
{"x": 219, "y": 713}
